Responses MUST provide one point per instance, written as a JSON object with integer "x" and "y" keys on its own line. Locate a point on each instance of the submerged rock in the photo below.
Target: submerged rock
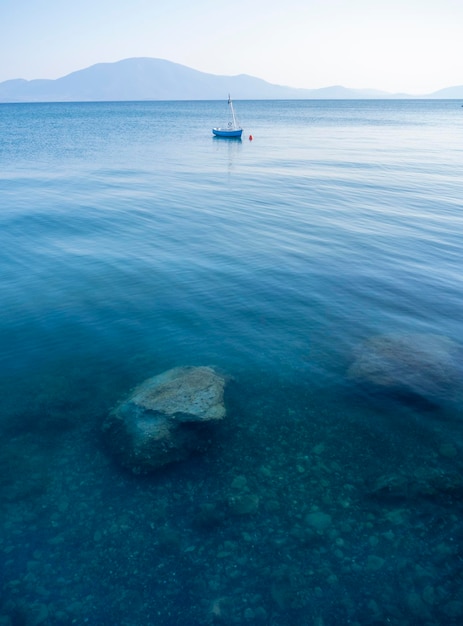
{"x": 410, "y": 366}
{"x": 244, "y": 503}
{"x": 319, "y": 520}
{"x": 430, "y": 484}
{"x": 166, "y": 418}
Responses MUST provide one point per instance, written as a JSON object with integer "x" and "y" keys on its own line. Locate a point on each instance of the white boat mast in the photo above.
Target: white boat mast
{"x": 235, "y": 125}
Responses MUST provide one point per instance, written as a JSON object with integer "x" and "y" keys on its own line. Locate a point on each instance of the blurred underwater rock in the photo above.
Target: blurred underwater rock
{"x": 426, "y": 483}
{"x": 418, "y": 365}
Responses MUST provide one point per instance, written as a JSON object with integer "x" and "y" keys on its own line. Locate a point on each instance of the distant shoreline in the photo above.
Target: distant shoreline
{"x": 150, "y": 79}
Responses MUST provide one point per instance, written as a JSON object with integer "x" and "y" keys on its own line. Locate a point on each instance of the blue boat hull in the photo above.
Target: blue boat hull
{"x": 224, "y": 132}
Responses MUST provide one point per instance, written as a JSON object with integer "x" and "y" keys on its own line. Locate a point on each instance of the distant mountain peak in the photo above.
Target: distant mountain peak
{"x": 147, "y": 78}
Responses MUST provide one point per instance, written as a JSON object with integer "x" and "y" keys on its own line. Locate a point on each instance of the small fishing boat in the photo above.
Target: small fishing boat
{"x": 233, "y": 129}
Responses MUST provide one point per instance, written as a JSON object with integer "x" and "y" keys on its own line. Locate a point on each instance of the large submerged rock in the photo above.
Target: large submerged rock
{"x": 430, "y": 483}
{"x": 417, "y": 365}
{"x": 166, "y": 418}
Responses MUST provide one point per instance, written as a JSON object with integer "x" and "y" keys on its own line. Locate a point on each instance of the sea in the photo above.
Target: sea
{"x": 317, "y": 265}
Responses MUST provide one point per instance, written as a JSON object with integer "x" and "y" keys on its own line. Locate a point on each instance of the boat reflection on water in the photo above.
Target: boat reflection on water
{"x": 228, "y": 149}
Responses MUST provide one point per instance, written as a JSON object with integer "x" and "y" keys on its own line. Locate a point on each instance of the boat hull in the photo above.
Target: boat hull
{"x": 226, "y": 132}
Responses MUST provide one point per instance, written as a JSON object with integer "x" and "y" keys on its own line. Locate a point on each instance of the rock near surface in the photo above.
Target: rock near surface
{"x": 422, "y": 365}
{"x": 166, "y": 418}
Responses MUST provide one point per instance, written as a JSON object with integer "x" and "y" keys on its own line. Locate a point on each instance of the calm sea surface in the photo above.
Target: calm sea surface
{"x": 319, "y": 267}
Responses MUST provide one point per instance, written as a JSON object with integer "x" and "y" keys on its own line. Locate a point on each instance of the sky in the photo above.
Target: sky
{"x": 411, "y": 46}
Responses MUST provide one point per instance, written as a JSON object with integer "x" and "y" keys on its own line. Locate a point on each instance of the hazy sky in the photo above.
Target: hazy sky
{"x": 413, "y": 46}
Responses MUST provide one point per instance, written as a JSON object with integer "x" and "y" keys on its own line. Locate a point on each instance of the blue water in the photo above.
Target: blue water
{"x": 132, "y": 241}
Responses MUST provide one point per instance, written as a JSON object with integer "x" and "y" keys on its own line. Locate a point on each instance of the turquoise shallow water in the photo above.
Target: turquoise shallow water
{"x": 132, "y": 241}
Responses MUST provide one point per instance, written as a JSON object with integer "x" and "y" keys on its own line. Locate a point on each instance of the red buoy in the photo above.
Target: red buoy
{"x": 250, "y": 137}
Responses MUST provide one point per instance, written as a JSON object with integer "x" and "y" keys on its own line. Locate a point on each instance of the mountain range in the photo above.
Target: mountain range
{"x": 158, "y": 79}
